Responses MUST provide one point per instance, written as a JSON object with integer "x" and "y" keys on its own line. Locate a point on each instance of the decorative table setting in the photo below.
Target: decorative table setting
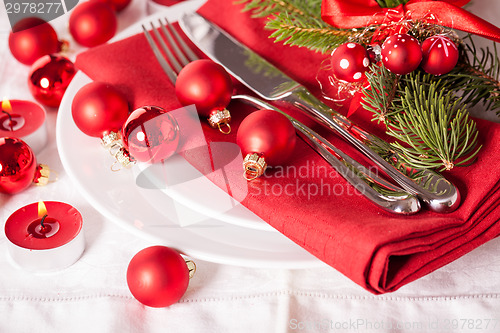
{"x": 250, "y": 166}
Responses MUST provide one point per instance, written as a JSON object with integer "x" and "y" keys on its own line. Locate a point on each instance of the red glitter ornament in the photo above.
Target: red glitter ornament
{"x": 349, "y": 62}
{"x": 440, "y": 55}
{"x": 49, "y": 78}
{"x": 32, "y": 38}
{"x": 158, "y": 276}
{"x": 266, "y": 137}
{"x": 401, "y": 54}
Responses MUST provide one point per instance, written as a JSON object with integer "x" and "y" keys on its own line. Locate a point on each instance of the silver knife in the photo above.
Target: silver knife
{"x": 269, "y": 83}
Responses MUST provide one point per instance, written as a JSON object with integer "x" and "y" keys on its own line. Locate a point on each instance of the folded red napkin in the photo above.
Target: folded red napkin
{"x": 310, "y": 203}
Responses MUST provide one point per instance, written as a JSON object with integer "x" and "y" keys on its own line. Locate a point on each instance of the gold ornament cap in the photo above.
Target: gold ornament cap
{"x": 220, "y": 119}
{"x": 254, "y": 166}
{"x": 111, "y": 139}
{"x": 123, "y": 159}
{"x": 191, "y": 267}
{"x": 42, "y": 176}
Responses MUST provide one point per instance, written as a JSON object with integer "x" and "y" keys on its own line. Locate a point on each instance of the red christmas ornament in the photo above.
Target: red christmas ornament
{"x": 440, "y": 55}
{"x": 158, "y": 276}
{"x": 32, "y": 38}
{"x": 401, "y": 54}
{"x": 49, "y": 77}
{"x": 208, "y": 86}
{"x": 18, "y": 168}
{"x": 349, "y": 62}
{"x": 117, "y": 5}
{"x": 99, "y": 109}
{"x": 266, "y": 137}
{"x": 92, "y": 23}
{"x": 150, "y": 134}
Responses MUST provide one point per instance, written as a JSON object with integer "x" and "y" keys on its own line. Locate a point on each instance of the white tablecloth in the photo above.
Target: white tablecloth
{"x": 92, "y": 295}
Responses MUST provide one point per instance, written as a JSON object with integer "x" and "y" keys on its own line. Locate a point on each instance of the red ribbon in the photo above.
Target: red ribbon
{"x": 348, "y": 14}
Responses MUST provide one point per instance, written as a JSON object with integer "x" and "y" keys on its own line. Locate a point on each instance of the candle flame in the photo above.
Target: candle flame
{"x": 42, "y": 210}
{"x": 6, "y": 106}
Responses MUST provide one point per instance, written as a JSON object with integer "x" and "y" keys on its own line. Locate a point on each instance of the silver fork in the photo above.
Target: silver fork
{"x": 381, "y": 192}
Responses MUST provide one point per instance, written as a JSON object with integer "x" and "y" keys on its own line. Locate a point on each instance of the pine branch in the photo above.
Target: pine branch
{"x": 379, "y": 97}
{"x": 477, "y": 75}
{"x": 433, "y": 127}
{"x": 391, "y": 3}
{"x": 299, "y": 23}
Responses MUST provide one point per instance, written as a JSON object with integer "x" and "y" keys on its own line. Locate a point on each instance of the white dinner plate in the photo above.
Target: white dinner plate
{"x": 155, "y": 215}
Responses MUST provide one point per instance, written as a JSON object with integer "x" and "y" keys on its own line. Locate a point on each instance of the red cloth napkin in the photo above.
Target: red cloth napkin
{"x": 308, "y": 202}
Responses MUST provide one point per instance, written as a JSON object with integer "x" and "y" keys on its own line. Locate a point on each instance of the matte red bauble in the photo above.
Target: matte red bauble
{"x": 157, "y": 276}
{"x": 98, "y": 109}
{"x": 92, "y": 23}
{"x": 150, "y": 134}
{"x": 208, "y": 86}
{"x": 266, "y": 137}
{"x": 32, "y": 38}
{"x": 401, "y": 54}
{"x": 49, "y": 78}
{"x": 349, "y": 62}
{"x": 440, "y": 55}
{"x": 17, "y": 165}
{"x": 117, "y": 5}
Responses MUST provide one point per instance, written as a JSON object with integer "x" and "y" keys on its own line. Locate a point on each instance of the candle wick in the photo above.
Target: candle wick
{"x": 43, "y": 219}
{"x": 10, "y": 119}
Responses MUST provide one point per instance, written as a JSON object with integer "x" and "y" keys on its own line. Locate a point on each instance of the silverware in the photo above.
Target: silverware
{"x": 269, "y": 83}
{"x": 386, "y": 195}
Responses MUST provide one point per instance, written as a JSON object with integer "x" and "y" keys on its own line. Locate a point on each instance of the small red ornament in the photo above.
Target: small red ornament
{"x": 117, "y": 5}
{"x": 208, "y": 86}
{"x": 32, "y": 38}
{"x": 440, "y": 55}
{"x": 349, "y": 62}
{"x": 18, "y": 168}
{"x": 92, "y": 23}
{"x": 49, "y": 77}
{"x": 401, "y": 54}
{"x": 266, "y": 137}
{"x": 158, "y": 276}
{"x": 150, "y": 134}
{"x": 99, "y": 109}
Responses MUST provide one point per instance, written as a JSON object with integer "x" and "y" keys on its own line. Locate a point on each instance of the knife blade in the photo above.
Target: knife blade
{"x": 271, "y": 84}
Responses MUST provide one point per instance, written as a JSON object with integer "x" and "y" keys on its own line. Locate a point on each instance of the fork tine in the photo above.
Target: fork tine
{"x": 176, "y": 51}
{"x": 166, "y": 49}
{"x": 185, "y": 48}
{"x": 172, "y": 75}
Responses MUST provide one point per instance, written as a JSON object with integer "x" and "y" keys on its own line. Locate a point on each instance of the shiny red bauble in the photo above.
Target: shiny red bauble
{"x": 98, "y": 109}
{"x": 269, "y": 134}
{"x": 92, "y": 23}
{"x": 401, "y": 54}
{"x": 32, "y": 38}
{"x": 440, "y": 55}
{"x": 157, "y": 276}
{"x": 49, "y": 78}
{"x": 349, "y": 62}
{"x": 205, "y": 84}
{"x": 150, "y": 134}
{"x": 17, "y": 165}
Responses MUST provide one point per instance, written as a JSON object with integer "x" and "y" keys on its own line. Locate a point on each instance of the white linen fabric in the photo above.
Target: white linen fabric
{"x": 92, "y": 295}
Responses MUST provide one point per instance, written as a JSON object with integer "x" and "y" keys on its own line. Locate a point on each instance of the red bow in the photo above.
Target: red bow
{"x": 360, "y": 13}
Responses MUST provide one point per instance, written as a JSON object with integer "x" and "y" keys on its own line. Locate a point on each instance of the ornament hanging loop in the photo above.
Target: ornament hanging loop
{"x": 220, "y": 126}
{"x": 254, "y": 166}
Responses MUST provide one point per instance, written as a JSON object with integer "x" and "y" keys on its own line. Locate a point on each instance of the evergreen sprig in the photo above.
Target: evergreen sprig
{"x": 391, "y": 3}
{"x": 432, "y": 126}
{"x": 298, "y": 22}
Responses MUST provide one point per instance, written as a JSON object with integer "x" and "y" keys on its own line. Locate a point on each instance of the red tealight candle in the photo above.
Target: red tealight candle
{"x": 45, "y": 236}
{"x": 24, "y": 120}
